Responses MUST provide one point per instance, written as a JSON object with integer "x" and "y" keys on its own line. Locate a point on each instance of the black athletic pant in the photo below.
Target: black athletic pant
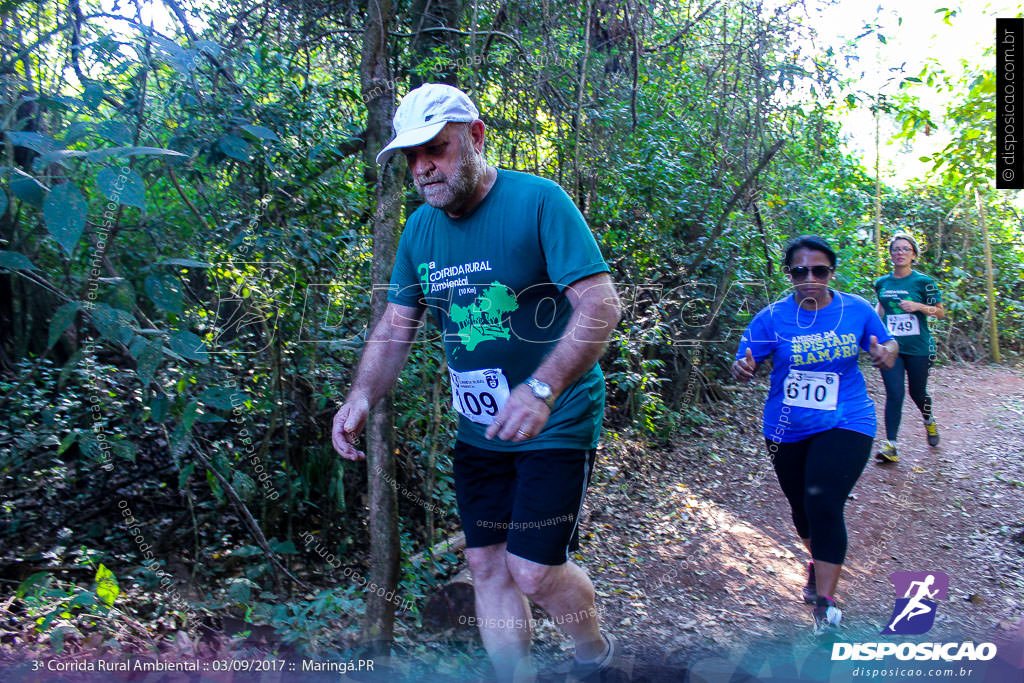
{"x": 817, "y": 474}
{"x": 916, "y": 368}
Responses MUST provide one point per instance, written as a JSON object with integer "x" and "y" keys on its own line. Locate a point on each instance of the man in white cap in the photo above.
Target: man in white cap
{"x": 525, "y": 302}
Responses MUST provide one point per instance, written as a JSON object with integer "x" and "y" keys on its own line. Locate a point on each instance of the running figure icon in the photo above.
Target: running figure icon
{"x": 915, "y": 607}
{"x": 914, "y": 613}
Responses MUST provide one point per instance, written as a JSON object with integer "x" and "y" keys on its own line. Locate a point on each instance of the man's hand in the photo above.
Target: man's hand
{"x": 744, "y": 368}
{"x": 909, "y": 306}
{"x": 523, "y": 416}
{"x": 348, "y": 424}
{"x": 881, "y": 355}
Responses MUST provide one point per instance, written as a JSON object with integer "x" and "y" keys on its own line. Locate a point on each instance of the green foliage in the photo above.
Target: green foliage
{"x": 187, "y": 250}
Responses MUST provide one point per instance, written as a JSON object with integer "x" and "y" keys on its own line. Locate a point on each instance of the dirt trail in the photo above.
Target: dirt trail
{"x": 696, "y": 553}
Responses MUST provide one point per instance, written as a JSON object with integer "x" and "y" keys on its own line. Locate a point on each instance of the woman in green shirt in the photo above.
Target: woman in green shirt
{"x": 905, "y": 300}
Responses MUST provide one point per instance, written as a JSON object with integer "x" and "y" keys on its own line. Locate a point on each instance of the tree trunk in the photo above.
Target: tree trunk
{"x": 378, "y": 93}
{"x": 993, "y": 330}
{"x": 577, "y": 118}
{"x": 433, "y": 15}
{"x": 878, "y": 192}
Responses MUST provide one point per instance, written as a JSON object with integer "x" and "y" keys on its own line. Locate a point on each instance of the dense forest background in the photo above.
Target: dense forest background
{"x": 192, "y": 228}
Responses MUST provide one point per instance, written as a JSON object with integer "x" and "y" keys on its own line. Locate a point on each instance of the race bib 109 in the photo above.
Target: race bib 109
{"x": 902, "y": 324}
{"x": 806, "y": 389}
{"x": 479, "y": 395}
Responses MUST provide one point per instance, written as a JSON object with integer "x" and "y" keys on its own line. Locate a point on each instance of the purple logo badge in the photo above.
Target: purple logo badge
{"x": 916, "y": 596}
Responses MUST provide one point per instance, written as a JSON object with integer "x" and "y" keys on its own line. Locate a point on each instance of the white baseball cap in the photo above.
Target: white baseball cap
{"x": 424, "y": 112}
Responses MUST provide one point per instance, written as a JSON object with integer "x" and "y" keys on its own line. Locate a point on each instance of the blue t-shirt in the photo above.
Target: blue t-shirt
{"x": 824, "y": 341}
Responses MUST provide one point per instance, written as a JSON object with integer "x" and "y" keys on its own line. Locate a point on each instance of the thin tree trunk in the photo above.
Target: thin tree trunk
{"x": 577, "y": 122}
{"x": 378, "y": 626}
{"x": 878, "y": 190}
{"x": 435, "y": 14}
{"x": 993, "y": 330}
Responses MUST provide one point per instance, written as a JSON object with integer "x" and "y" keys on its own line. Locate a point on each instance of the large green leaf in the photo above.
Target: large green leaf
{"x": 260, "y": 132}
{"x": 123, "y": 448}
{"x": 64, "y": 211}
{"x": 126, "y": 152}
{"x": 244, "y": 485}
{"x": 190, "y": 414}
{"x": 126, "y": 188}
{"x": 113, "y": 323}
{"x": 165, "y": 293}
{"x": 185, "y": 263}
{"x": 234, "y": 147}
{"x": 158, "y": 408}
{"x": 31, "y": 583}
{"x": 12, "y": 260}
{"x": 215, "y": 487}
{"x": 283, "y": 547}
{"x": 75, "y": 132}
{"x": 148, "y": 360}
{"x": 184, "y": 474}
{"x": 106, "y": 585}
{"x": 189, "y": 345}
{"x": 220, "y": 397}
{"x": 37, "y": 142}
{"x": 62, "y": 319}
{"x": 115, "y": 131}
{"x": 92, "y": 94}
{"x": 29, "y": 190}
{"x": 208, "y": 47}
{"x": 66, "y": 442}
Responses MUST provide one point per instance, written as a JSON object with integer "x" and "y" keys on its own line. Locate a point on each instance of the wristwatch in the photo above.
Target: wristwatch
{"x": 541, "y": 391}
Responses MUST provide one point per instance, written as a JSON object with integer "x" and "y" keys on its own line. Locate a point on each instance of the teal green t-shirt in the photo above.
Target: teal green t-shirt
{"x": 916, "y": 287}
{"x": 494, "y": 281}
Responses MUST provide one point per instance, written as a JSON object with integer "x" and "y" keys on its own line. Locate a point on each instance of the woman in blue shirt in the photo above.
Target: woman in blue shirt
{"x": 819, "y": 422}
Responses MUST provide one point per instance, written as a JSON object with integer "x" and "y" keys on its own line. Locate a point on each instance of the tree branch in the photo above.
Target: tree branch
{"x": 247, "y": 517}
{"x": 724, "y": 218}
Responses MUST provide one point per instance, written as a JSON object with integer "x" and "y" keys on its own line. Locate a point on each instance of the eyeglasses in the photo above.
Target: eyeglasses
{"x": 801, "y": 272}
{"x": 901, "y": 250}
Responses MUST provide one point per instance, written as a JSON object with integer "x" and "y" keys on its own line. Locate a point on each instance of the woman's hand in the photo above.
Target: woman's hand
{"x": 883, "y": 355}
{"x": 744, "y": 368}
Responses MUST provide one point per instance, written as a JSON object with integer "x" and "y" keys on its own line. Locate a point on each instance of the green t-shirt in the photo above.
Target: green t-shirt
{"x": 494, "y": 281}
{"x": 916, "y": 287}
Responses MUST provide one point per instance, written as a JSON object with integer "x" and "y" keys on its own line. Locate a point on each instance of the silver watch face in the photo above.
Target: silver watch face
{"x": 540, "y": 389}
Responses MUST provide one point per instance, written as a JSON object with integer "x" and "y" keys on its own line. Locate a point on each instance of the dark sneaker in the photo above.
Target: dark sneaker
{"x": 933, "y": 432}
{"x": 887, "y": 453}
{"x": 604, "y": 671}
{"x": 811, "y": 589}
{"x": 826, "y": 615}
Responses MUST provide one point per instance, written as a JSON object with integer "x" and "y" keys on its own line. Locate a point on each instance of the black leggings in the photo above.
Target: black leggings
{"x": 817, "y": 474}
{"x": 916, "y": 368}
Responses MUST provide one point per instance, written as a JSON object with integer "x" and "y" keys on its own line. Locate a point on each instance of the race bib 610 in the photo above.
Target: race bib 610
{"x": 806, "y": 389}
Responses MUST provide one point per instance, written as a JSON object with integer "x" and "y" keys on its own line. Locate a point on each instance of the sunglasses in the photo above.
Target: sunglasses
{"x": 801, "y": 272}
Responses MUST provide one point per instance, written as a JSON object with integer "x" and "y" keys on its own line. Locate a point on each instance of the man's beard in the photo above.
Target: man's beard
{"x": 451, "y": 192}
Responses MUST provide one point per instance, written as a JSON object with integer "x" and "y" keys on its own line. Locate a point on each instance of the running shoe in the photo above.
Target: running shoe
{"x": 602, "y": 671}
{"x": 826, "y": 615}
{"x": 933, "y": 432}
{"x": 811, "y": 589}
{"x": 887, "y": 453}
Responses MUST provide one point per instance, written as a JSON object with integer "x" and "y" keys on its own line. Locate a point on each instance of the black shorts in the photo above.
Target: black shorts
{"x": 530, "y": 500}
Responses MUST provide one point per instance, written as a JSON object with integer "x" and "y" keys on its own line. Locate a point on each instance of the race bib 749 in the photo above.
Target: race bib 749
{"x": 902, "y": 324}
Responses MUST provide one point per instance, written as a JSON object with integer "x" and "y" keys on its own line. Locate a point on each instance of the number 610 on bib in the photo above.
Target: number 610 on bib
{"x": 807, "y": 389}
